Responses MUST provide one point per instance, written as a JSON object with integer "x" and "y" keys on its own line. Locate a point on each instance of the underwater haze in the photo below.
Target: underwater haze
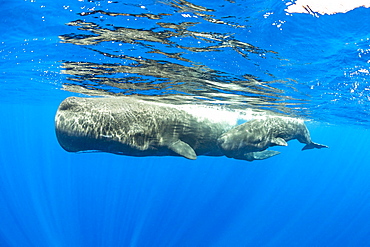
{"x": 271, "y": 56}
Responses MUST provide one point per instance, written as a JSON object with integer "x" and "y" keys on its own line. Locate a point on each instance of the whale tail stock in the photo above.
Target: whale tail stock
{"x": 314, "y": 145}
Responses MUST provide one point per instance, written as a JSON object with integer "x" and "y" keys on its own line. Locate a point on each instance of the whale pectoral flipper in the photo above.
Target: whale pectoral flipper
{"x": 279, "y": 141}
{"x": 260, "y": 155}
{"x": 314, "y": 145}
{"x": 183, "y": 149}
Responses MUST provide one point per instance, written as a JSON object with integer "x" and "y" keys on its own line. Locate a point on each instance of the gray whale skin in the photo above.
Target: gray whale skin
{"x": 128, "y": 126}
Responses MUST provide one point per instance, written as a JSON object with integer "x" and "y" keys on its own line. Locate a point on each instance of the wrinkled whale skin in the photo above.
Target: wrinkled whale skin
{"x": 128, "y": 126}
{"x": 132, "y": 127}
{"x": 259, "y": 134}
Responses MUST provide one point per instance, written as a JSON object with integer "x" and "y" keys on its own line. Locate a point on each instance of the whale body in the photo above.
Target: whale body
{"x": 259, "y": 134}
{"x": 129, "y": 126}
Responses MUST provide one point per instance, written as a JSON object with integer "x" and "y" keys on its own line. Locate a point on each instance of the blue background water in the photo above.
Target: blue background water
{"x": 49, "y": 197}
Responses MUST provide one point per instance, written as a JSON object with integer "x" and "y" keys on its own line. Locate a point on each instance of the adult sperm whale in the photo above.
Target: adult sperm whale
{"x": 128, "y": 126}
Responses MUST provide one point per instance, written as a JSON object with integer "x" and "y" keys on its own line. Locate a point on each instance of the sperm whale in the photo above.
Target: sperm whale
{"x": 134, "y": 127}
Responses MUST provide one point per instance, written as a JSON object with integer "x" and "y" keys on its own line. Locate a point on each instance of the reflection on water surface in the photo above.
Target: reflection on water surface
{"x": 161, "y": 58}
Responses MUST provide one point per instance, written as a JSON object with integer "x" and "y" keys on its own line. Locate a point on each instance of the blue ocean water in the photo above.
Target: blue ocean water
{"x": 235, "y": 53}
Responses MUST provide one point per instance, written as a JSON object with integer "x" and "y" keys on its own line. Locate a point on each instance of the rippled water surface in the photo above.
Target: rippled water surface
{"x": 241, "y": 54}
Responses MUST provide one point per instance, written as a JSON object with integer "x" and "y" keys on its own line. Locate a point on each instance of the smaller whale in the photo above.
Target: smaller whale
{"x": 259, "y": 134}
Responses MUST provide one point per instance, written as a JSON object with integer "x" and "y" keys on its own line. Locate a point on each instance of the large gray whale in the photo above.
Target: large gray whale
{"x": 129, "y": 126}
